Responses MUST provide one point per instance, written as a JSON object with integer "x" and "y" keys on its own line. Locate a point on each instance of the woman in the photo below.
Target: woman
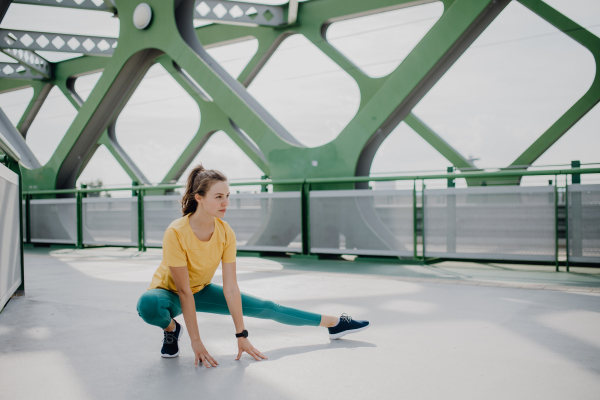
{"x": 193, "y": 246}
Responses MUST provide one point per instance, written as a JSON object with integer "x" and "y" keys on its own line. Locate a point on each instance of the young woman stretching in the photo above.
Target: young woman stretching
{"x": 193, "y": 246}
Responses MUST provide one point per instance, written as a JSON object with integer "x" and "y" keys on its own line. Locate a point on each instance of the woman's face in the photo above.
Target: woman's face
{"x": 216, "y": 200}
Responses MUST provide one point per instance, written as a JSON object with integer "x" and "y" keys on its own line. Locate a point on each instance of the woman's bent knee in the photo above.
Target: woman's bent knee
{"x": 151, "y": 309}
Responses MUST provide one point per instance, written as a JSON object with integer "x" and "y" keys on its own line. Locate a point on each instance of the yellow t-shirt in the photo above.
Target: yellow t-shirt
{"x": 181, "y": 248}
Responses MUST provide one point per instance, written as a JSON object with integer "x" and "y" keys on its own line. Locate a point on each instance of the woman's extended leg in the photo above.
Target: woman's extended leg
{"x": 159, "y": 306}
{"x": 212, "y": 300}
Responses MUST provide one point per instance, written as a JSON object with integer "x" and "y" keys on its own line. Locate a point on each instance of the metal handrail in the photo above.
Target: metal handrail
{"x": 353, "y": 179}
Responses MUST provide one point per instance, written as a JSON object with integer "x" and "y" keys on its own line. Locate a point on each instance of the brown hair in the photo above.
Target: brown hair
{"x": 199, "y": 182}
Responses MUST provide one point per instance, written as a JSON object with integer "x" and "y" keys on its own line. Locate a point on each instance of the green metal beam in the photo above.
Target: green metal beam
{"x": 438, "y": 143}
{"x": 40, "y": 93}
{"x": 212, "y": 119}
{"x": 384, "y": 101}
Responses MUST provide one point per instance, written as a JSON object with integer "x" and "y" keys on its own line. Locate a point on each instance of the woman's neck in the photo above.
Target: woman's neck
{"x": 201, "y": 220}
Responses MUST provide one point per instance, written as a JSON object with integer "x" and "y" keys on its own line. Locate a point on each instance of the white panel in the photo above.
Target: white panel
{"x": 504, "y": 223}
{"x": 364, "y": 222}
{"x": 54, "y": 221}
{"x": 10, "y": 250}
{"x": 159, "y": 212}
{"x": 584, "y": 223}
{"x": 110, "y": 221}
{"x": 266, "y": 221}
{"x": 261, "y": 221}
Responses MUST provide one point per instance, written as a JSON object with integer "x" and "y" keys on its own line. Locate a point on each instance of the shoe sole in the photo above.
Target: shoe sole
{"x": 334, "y": 336}
{"x": 176, "y": 354}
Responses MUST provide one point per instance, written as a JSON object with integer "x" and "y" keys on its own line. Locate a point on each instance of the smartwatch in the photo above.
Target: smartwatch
{"x": 244, "y": 334}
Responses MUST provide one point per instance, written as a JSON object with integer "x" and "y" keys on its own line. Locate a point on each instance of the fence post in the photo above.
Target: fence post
{"x": 79, "y": 212}
{"x": 305, "y": 214}
{"x": 264, "y": 188}
{"x": 423, "y": 217}
{"x": 28, "y": 218}
{"x": 567, "y": 219}
{"x": 140, "y": 210}
{"x": 451, "y": 182}
{"x": 556, "y": 221}
{"x": 415, "y": 219}
{"x": 15, "y": 167}
{"x": 576, "y": 178}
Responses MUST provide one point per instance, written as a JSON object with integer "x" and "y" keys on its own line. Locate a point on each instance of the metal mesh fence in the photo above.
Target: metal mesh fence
{"x": 54, "y": 221}
{"x": 266, "y": 221}
{"x": 110, "y": 221}
{"x": 10, "y": 251}
{"x": 492, "y": 222}
{"x": 159, "y": 212}
{"x": 363, "y": 222}
{"x": 503, "y": 223}
{"x": 584, "y": 223}
{"x": 261, "y": 221}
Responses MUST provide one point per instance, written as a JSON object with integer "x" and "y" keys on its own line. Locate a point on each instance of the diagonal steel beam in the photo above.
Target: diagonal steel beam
{"x": 98, "y": 5}
{"x": 31, "y": 60}
{"x": 17, "y": 71}
{"x": 40, "y": 93}
{"x": 29, "y": 40}
{"x": 212, "y": 120}
{"x": 436, "y": 141}
{"x": 584, "y": 104}
{"x": 481, "y": 17}
{"x": 18, "y": 142}
{"x": 109, "y": 140}
{"x": 108, "y": 137}
{"x": 4, "y": 4}
{"x": 239, "y": 13}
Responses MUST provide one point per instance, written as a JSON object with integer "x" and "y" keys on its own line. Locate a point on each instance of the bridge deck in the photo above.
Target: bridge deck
{"x": 437, "y": 332}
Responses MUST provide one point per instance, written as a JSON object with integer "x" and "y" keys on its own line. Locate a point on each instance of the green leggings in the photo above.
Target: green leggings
{"x": 158, "y": 306}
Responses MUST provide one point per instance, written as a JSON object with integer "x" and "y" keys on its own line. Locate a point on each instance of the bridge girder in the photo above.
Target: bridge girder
{"x": 385, "y": 101}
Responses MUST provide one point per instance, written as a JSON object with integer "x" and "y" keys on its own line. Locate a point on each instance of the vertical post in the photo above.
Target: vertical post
{"x": 576, "y": 178}
{"x": 423, "y": 217}
{"x": 263, "y": 188}
{"x": 28, "y": 218}
{"x": 451, "y": 182}
{"x": 305, "y": 205}
{"x": 140, "y": 210}
{"x": 79, "y": 212}
{"x": 415, "y": 219}
{"x": 556, "y": 221}
{"x": 15, "y": 167}
{"x": 567, "y": 219}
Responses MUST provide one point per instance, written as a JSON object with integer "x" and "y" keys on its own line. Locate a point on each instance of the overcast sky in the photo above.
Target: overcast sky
{"x": 518, "y": 77}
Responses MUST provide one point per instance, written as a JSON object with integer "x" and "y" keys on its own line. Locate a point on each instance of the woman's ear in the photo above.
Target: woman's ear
{"x": 197, "y": 198}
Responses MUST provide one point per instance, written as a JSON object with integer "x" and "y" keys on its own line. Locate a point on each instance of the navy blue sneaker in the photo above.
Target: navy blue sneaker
{"x": 345, "y": 326}
{"x": 170, "y": 346}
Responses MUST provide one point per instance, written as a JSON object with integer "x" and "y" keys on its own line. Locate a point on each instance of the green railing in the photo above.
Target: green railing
{"x": 306, "y": 185}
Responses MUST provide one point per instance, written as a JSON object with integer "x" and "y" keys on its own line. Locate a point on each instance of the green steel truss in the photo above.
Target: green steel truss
{"x": 171, "y": 40}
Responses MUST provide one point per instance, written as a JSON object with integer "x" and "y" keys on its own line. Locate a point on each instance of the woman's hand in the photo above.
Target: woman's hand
{"x": 201, "y": 354}
{"x": 244, "y": 345}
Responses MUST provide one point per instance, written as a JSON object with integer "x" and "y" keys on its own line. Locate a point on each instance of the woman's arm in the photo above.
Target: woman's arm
{"x": 186, "y": 297}
{"x": 233, "y": 297}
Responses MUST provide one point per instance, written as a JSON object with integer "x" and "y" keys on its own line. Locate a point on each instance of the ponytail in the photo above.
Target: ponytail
{"x": 199, "y": 182}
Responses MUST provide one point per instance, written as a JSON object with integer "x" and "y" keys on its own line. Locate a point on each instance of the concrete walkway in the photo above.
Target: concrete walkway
{"x": 438, "y": 332}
